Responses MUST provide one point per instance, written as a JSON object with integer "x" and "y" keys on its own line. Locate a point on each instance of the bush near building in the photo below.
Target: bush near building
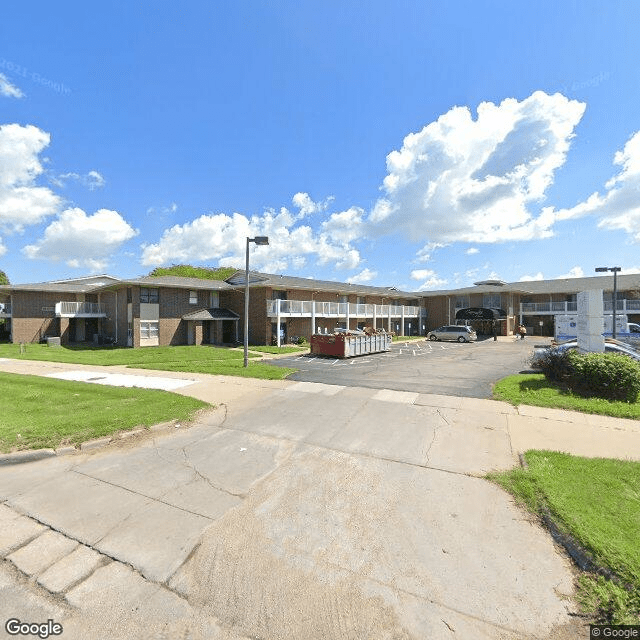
{"x": 601, "y": 375}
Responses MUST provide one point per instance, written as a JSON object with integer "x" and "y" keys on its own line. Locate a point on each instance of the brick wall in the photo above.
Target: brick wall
{"x": 33, "y": 315}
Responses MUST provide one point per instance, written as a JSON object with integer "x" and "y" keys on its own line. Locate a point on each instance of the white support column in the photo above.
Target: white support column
{"x": 347, "y": 314}
{"x": 374, "y": 317}
{"x": 313, "y": 317}
{"x": 278, "y": 322}
{"x": 389, "y": 319}
{"x": 402, "y": 321}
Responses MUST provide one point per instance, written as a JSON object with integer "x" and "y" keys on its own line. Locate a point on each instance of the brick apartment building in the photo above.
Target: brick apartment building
{"x": 169, "y": 310}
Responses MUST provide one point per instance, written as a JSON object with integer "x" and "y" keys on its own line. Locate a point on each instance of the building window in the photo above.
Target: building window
{"x": 128, "y": 295}
{"x": 149, "y": 296}
{"x": 193, "y": 297}
{"x": 279, "y": 295}
{"x": 214, "y": 300}
{"x": 462, "y": 302}
{"x": 148, "y": 330}
{"x": 491, "y": 301}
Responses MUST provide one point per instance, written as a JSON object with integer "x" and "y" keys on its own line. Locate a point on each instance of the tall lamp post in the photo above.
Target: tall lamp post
{"x": 615, "y": 291}
{"x": 257, "y": 240}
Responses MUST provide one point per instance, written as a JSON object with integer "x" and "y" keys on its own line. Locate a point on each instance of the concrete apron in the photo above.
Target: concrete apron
{"x": 308, "y": 511}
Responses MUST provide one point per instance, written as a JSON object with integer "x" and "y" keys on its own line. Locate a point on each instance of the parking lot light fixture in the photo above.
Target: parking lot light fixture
{"x": 260, "y": 240}
{"x": 615, "y": 291}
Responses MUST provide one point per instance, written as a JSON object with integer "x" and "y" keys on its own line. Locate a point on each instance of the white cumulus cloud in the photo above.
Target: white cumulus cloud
{"x": 7, "y": 89}
{"x": 430, "y": 277}
{"x": 576, "y": 272}
{"x": 619, "y": 207}
{"x": 461, "y": 179}
{"x": 22, "y": 201}
{"x": 92, "y": 180}
{"x": 222, "y": 237}
{"x": 472, "y": 251}
{"x": 82, "y": 240}
{"x": 537, "y": 276}
{"x": 307, "y": 206}
{"x": 3, "y": 249}
{"x": 366, "y": 275}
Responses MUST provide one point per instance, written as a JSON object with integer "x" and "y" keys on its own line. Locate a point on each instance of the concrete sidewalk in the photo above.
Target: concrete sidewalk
{"x": 296, "y": 510}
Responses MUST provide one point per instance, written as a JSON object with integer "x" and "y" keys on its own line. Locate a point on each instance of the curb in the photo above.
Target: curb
{"x": 33, "y": 455}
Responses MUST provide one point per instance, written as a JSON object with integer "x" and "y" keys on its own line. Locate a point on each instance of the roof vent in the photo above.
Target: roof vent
{"x": 490, "y": 283}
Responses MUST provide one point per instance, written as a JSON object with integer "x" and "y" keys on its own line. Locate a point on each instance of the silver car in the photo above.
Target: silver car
{"x": 454, "y": 332}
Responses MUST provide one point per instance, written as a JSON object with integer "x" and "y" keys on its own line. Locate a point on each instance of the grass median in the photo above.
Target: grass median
{"x": 40, "y": 412}
{"x": 597, "y": 502}
{"x": 535, "y": 390}
{"x": 189, "y": 359}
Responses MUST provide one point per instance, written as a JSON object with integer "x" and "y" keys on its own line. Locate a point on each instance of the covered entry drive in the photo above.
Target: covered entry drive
{"x": 485, "y": 321}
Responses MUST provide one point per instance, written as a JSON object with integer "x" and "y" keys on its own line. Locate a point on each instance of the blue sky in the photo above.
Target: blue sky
{"x": 424, "y": 145}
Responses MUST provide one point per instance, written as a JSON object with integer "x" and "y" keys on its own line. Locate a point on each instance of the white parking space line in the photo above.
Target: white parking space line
{"x": 123, "y": 380}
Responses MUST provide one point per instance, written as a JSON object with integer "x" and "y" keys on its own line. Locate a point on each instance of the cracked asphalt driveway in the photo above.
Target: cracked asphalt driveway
{"x": 336, "y": 512}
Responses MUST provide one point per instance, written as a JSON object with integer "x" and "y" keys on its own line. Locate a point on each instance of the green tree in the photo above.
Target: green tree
{"x": 3, "y": 278}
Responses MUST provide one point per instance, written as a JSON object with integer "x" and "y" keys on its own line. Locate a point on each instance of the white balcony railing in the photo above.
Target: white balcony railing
{"x": 548, "y": 307}
{"x": 623, "y": 306}
{"x": 80, "y": 310}
{"x": 5, "y": 310}
{"x": 303, "y": 308}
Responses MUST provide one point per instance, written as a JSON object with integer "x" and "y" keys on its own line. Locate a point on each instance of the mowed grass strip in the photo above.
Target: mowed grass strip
{"x": 597, "y": 502}
{"x": 40, "y": 412}
{"x": 535, "y": 390}
{"x": 192, "y": 359}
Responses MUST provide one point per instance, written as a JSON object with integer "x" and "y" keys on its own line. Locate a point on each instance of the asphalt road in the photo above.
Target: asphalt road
{"x": 446, "y": 368}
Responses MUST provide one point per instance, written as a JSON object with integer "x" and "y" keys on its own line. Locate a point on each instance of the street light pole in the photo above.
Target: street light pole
{"x": 615, "y": 292}
{"x": 261, "y": 240}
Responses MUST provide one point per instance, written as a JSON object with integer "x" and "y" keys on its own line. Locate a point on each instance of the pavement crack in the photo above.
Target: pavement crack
{"x": 142, "y": 495}
{"x": 199, "y": 475}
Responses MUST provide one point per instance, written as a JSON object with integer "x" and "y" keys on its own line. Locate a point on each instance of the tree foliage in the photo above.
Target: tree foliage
{"x": 188, "y": 271}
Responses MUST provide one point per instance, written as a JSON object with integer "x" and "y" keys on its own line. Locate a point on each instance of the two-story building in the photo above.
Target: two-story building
{"x": 169, "y": 310}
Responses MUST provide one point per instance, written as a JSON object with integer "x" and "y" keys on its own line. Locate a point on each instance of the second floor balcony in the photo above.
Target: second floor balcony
{"x": 304, "y": 309}
{"x": 541, "y": 308}
{"x": 80, "y": 310}
{"x": 5, "y": 310}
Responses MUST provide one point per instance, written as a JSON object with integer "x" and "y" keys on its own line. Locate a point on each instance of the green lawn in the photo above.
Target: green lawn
{"x": 597, "y": 501}
{"x": 276, "y": 350}
{"x": 193, "y": 359}
{"x": 40, "y": 412}
{"x": 534, "y": 389}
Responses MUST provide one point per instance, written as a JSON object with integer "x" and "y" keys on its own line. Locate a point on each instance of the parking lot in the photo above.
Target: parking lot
{"x": 448, "y": 368}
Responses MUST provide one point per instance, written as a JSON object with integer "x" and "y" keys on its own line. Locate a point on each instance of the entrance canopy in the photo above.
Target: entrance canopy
{"x": 211, "y": 314}
{"x": 481, "y": 313}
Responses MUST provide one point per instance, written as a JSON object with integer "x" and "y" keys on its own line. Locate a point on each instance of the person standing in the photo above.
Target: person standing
{"x": 523, "y": 331}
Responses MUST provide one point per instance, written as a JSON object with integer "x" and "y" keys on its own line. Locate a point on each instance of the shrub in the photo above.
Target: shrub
{"x": 605, "y": 375}
{"x": 554, "y": 364}
{"x": 302, "y": 340}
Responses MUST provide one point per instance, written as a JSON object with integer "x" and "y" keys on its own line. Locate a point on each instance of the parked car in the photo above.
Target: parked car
{"x": 610, "y": 346}
{"x": 458, "y": 332}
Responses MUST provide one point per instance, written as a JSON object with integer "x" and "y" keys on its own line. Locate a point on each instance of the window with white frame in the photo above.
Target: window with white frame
{"x": 214, "y": 300}
{"x": 462, "y": 302}
{"x": 193, "y": 297}
{"x": 149, "y": 329}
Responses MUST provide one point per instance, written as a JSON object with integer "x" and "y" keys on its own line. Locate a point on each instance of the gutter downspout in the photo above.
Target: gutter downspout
{"x": 116, "y": 292}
